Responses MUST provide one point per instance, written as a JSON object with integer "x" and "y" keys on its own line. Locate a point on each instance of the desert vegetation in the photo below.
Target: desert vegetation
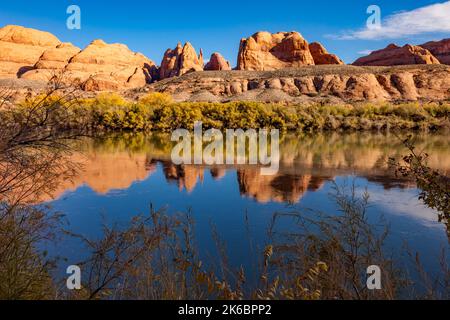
{"x": 157, "y": 112}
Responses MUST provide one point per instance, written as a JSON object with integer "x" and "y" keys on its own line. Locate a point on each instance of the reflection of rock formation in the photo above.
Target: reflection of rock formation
{"x": 104, "y": 172}
{"x": 277, "y": 188}
{"x": 306, "y": 163}
{"x": 187, "y": 176}
{"x": 218, "y": 173}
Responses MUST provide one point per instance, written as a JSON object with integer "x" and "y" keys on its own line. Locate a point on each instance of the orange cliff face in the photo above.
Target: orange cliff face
{"x": 51, "y": 62}
{"x": 21, "y": 48}
{"x": 37, "y": 56}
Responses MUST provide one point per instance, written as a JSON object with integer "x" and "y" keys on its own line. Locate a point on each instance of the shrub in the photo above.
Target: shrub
{"x": 157, "y": 111}
{"x": 156, "y": 99}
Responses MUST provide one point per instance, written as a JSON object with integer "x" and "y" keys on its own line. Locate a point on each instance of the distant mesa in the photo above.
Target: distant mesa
{"x": 217, "y": 63}
{"x": 180, "y": 60}
{"x": 394, "y": 55}
{"x": 440, "y": 49}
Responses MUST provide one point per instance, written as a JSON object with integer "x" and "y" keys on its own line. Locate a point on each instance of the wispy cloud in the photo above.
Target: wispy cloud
{"x": 430, "y": 19}
{"x": 365, "y": 52}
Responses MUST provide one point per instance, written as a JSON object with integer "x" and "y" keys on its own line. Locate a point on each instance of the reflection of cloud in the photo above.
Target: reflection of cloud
{"x": 405, "y": 203}
{"x": 428, "y": 19}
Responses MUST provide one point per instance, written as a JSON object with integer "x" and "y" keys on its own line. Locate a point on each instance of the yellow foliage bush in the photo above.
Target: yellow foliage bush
{"x": 156, "y": 99}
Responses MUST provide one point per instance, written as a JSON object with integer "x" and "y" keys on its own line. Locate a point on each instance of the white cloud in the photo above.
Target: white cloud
{"x": 430, "y": 19}
{"x": 365, "y": 52}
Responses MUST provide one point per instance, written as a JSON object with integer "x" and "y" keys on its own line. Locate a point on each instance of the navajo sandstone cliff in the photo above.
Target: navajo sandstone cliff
{"x": 271, "y": 67}
{"x": 35, "y": 55}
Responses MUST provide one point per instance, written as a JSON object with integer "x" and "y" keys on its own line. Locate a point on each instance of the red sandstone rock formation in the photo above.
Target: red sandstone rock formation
{"x": 110, "y": 67}
{"x": 312, "y": 83}
{"x": 217, "y": 62}
{"x": 180, "y": 60}
{"x": 35, "y": 55}
{"x": 21, "y": 48}
{"x": 264, "y": 51}
{"x": 321, "y": 55}
{"x": 440, "y": 49}
{"x": 51, "y": 62}
{"x": 394, "y": 55}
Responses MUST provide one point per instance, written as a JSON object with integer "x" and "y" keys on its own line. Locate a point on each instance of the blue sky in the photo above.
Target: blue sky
{"x": 151, "y": 27}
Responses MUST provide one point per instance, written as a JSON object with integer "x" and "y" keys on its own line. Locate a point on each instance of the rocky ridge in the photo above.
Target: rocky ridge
{"x": 312, "y": 84}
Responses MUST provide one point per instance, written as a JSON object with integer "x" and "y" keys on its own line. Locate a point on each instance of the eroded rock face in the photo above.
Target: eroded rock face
{"x": 440, "y": 49}
{"x": 264, "y": 51}
{"x": 180, "y": 60}
{"x": 217, "y": 62}
{"x": 110, "y": 67}
{"x": 21, "y": 48}
{"x": 394, "y": 55}
{"x": 36, "y": 55}
{"x": 51, "y": 62}
{"x": 321, "y": 55}
{"x": 310, "y": 84}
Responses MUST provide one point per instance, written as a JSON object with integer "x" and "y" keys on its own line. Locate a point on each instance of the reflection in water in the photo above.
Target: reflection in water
{"x": 124, "y": 174}
{"x": 278, "y": 188}
{"x": 115, "y": 163}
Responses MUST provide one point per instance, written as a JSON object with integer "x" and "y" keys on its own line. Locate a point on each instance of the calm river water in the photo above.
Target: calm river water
{"x": 123, "y": 175}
